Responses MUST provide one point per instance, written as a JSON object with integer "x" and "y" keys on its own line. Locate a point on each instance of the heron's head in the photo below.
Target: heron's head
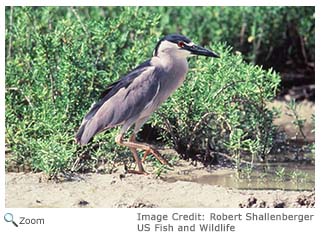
{"x": 181, "y": 46}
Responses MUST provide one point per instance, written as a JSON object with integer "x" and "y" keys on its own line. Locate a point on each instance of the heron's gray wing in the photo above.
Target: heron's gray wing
{"x": 113, "y": 88}
{"x": 125, "y": 101}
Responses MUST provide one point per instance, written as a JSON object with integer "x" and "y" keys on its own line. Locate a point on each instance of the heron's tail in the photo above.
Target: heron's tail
{"x": 86, "y": 131}
{"x": 88, "y": 128}
{"x": 78, "y": 136}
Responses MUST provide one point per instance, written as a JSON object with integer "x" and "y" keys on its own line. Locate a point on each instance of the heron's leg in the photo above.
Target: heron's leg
{"x": 132, "y": 144}
{"x": 135, "y": 154}
{"x": 148, "y": 148}
{"x": 133, "y": 139}
{"x": 145, "y": 155}
{"x": 133, "y": 150}
{"x": 120, "y": 141}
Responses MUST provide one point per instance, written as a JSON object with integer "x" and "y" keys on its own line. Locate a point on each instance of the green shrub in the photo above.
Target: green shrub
{"x": 59, "y": 60}
{"x": 58, "y": 63}
{"x": 221, "y": 109}
{"x": 270, "y": 36}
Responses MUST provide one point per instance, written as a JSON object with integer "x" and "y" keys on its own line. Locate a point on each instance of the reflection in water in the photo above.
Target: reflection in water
{"x": 285, "y": 176}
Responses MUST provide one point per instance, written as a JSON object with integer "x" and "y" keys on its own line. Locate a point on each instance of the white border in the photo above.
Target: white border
{"x": 89, "y": 224}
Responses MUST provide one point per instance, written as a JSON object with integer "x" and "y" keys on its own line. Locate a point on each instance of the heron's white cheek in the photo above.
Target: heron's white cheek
{"x": 183, "y": 53}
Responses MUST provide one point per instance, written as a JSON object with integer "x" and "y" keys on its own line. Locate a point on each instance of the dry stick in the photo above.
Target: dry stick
{"x": 169, "y": 126}
{"x": 232, "y": 158}
{"x": 51, "y": 77}
{"x": 25, "y": 96}
{"x": 256, "y": 46}
{"x": 226, "y": 86}
{"x": 202, "y": 120}
{"x": 79, "y": 19}
{"x": 52, "y": 86}
{"x": 10, "y": 31}
{"x": 73, "y": 168}
{"x": 76, "y": 162}
{"x": 269, "y": 53}
{"x": 303, "y": 50}
{"x": 228, "y": 157}
{"x": 242, "y": 33}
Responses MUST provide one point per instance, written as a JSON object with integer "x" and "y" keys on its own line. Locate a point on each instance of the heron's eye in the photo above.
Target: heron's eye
{"x": 181, "y": 44}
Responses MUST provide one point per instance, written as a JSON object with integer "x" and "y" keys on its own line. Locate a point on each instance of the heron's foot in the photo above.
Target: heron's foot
{"x": 138, "y": 172}
{"x": 158, "y": 156}
{"x": 149, "y": 149}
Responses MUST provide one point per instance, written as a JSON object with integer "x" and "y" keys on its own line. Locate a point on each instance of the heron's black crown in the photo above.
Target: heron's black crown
{"x": 174, "y": 38}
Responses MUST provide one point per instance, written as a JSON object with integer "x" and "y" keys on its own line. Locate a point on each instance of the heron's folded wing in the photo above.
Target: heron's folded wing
{"x": 126, "y": 100}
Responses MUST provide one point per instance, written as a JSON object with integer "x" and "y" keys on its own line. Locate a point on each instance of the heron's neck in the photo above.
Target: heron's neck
{"x": 171, "y": 61}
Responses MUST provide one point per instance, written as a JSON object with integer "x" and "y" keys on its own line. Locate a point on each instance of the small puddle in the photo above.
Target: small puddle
{"x": 285, "y": 176}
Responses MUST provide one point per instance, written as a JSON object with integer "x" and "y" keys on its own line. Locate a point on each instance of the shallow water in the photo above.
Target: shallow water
{"x": 284, "y": 176}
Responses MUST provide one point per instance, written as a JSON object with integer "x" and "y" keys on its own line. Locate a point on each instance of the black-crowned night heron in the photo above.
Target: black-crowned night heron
{"x": 132, "y": 99}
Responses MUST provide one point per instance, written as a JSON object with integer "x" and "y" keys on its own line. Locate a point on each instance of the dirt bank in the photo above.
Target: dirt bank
{"x": 117, "y": 190}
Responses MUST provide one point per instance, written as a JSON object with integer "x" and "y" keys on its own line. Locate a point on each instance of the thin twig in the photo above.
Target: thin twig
{"x": 227, "y": 156}
{"x": 10, "y": 32}
{"x": 25, "y": 96}
{"x": 242, "y": 33}
{"x": 169, "y": 126}
{"x": 257, "y": 45}
{"x": 233, "y": 159}
{"x": 76, "y": 162}
{"x": 52, "y": 86}
{"x": 303, "y": 50}
{"x": 198, "y": 124}
{"x": 79, "y": 19}
{"x": 269, "y": 53}
{"x": 226, "y": 86}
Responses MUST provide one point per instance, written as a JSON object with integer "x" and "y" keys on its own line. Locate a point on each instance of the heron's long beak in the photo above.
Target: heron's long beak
{"x": 198, "y": 50}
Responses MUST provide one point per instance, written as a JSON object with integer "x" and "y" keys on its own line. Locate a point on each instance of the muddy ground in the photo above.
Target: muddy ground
{"x": 115, "y": 190}
{"x": 120, "y": 190}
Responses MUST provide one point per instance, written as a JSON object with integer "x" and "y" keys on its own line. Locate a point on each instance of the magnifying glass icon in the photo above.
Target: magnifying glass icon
{"x": 8, "y": 217}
